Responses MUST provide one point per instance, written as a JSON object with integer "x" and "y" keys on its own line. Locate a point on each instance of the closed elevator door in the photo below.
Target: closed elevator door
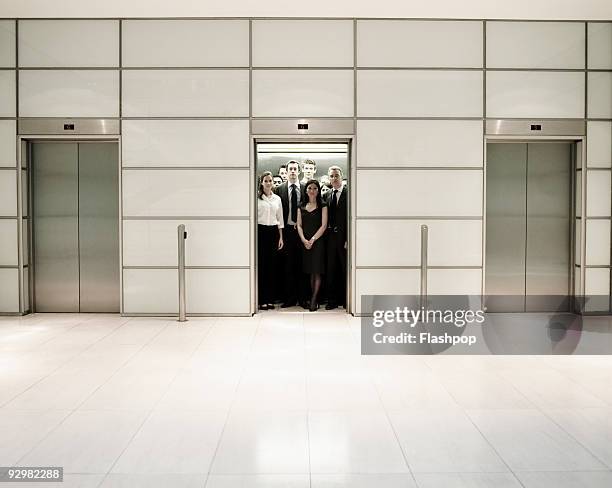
{"x": 528, "y": 228}
{"x": 75, "y": 196}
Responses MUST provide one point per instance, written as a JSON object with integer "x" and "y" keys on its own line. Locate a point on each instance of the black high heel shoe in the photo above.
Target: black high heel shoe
{"x": 314, "y": 306}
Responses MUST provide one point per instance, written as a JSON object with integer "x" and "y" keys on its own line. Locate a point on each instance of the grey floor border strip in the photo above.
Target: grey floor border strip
{"x": 419, "y": 217}
{"x": 409, "y": 168}
{"x": 169, "y": 314}
{"x": 183, "y": 217}
{"x": 187, "y": 267}
{"x": 183, "y": 168}
{"x": 417, "y": 267}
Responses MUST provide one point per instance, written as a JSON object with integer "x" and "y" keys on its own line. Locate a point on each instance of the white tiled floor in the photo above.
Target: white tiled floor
{"x": 286, "y": 400}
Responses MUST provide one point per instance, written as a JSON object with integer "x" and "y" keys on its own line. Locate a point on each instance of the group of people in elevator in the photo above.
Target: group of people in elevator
{"x": 302, "y": 231}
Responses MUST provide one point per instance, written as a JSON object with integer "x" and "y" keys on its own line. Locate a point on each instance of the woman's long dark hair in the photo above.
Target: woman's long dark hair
{"x": 305, "y": 196}
{"x": 261, "y": 178}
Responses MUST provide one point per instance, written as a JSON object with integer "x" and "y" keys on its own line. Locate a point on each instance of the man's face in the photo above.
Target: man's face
{"x": 293, "y": 171}
{"x": 277, "y": 181}
{"x": 283, "y": 174}
{"x": 335, "y": 178}
{"x": 325, "y": 190}
{"x": 309, "y": 171}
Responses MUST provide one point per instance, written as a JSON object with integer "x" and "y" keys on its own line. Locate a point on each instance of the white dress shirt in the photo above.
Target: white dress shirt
{"x": 270, "y": 210}
{"x": 339, "y": 192}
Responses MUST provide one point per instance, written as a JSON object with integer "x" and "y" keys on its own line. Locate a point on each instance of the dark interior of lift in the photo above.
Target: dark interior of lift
{"x": 271, "y": 156}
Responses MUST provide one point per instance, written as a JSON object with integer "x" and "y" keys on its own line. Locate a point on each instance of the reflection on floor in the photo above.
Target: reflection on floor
{"x": 286, "y": 400}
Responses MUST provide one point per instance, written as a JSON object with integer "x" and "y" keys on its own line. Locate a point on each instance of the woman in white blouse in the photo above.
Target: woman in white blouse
{"x": 269, "y": 239}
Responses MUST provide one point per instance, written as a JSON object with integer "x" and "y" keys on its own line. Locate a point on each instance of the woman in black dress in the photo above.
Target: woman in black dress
{"x": 311, "y": 225}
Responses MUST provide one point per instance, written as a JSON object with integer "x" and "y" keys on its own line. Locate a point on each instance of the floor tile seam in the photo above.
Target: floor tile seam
{"x": 497, "y": 453}
{"x": 71, "y": 412}
{"x": 118, "y": 369}
{"x": 154, "y": 406}
{"x": 395, "y": 434}
{"x": 230, "y": 409}
{"x": 71, "y": 358}
{"x": 514, "y": 388}
{"x": 607, "y": 465}
{"x": 307, "y": 398}
{"x": 575, "y": 382}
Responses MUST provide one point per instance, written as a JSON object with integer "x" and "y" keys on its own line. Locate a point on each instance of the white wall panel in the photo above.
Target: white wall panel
{"x": 599, "y": 144}
{"x": 185, "y": 43}
{"x": 187, "y": 93}
{"x": 150, "y": 291}
{"x": 224, "y": 291}
{"x": 597, "y": 289}
{"x": 185, "y": 143}
{"x": 68, "y": 43}
{"x": 8, "y": 146}
{"x": 420, "y": 193}
{"x": 386, "y": 282}
{"x": 597, "y": 281}
{"x": 209, "y": 242}
{"x": 303, "y": 43}
{"x": 9, "y": 290}
{"x": 535, "y": 45}
{"x": 69, "y": 93}
{"x": 7, "y": 93}
{"x": 419, "y": 44}
{"x": 208, "y": 291}
{"x": 186, "y": 193}
{"x": 600, "y": 45}
{"x": 454, "y": 281}
{"x": 598, "y": 194}
{"x": 302, "y": 93}
{"x": 389, "y": 93}
{"x": 419, "y": 142}
{"x": 598, "y": 242}
{"x": 599, "y": 95}
{"x": 398, "y": 242}
{"x": 535, "y": 94}
{"x": 8, "y": 193}
{"x": 8, "y": 242}
{"x": 7, "y": 43}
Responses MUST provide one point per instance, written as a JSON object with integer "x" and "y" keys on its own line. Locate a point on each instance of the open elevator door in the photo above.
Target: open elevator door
{"x": 272, "y": 154}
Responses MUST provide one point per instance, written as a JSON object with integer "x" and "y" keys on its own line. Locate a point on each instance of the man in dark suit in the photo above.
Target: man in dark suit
{"x": 337, "y": 235}
{"x": 290, "y": 193}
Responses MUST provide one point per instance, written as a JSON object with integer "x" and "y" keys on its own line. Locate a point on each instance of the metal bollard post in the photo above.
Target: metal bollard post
{"x": 182, "y": 236}
{"x": 424, "y": 244}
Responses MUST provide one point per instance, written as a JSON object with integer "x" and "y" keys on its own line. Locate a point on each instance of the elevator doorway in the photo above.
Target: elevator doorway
{"x": 74, "y": 202}
{"x": 529, "y": 237}
{"x": 315, "y": 158}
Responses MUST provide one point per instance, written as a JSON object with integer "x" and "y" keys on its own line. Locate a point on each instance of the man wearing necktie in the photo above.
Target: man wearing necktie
{"x": 337, "y": 201}
{"x": 290, "y": 193}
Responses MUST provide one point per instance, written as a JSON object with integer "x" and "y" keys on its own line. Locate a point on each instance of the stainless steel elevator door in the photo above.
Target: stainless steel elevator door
{"x": 75, "y": 196}
{"x": 528, "y": 230}
{"x": 99, "y": 227}
{"x": 547, "y": 267}
{"x": 56, "y": 227}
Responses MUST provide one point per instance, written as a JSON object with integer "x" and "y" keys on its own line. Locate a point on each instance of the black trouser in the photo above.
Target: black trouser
{"x": 267, "y": 256}
{"x": 294, "y": 280}
{"x": 336, "y": 268}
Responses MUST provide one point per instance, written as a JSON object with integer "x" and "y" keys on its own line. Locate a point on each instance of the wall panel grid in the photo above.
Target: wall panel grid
{"x": 187, "y": 89}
